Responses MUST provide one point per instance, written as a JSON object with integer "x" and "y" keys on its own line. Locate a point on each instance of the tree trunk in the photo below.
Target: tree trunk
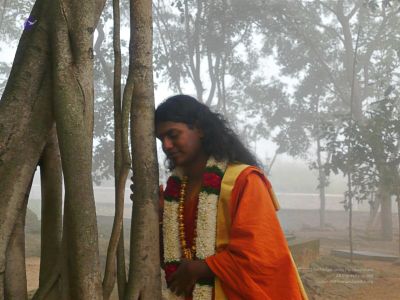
{"x": 25, "y": 121}
{"x": 386, "y": 214}
{"x": 51, "y": 187}
{"x": 121, "y": 265}
{"x": 398, "y": 216}
{"x": 350, "y": 64}
{"x": 15, "y": 278}
{"x": 385, "y": 189}
{"x": 193, "y": 45}
{"x": 373, "y": 214}
{"x": 144, "y": 269}
{"x": 26, "y": 114}
{"x": 121, "y": 170}
{"x": 72, "y": 59}
{"x": 350, "y": 207}
{"x": 321, "y": 185}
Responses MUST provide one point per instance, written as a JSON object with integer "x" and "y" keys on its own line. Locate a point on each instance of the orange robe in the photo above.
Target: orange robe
{"x": 256, "y": 262}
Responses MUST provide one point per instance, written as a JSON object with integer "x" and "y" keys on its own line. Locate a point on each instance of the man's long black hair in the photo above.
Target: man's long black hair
{"x": 219, "y": 139}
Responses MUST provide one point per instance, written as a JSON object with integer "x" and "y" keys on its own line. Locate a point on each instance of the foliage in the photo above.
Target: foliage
{"x": 204, "y": 44}
{"x": 368, "y": 151}
{"x": 211, "y": 49}
{"x": 12, "y": 17}
{"x": 341, "y": 57}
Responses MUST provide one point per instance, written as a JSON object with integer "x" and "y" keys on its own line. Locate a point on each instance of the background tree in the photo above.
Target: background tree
{"x": 315, "y": 42}
{"x": 212, "y": 49}
{"x": 375, "y": 145}
{"x": 144, "y": 264}
{"x": 197, "y": 42}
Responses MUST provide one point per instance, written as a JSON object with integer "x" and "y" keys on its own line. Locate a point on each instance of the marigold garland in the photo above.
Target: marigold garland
{"x": 205, "y": 227}
{"x": 187, "y": 252}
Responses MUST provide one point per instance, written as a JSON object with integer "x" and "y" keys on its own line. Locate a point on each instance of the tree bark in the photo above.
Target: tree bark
{"x": 122, "y": 164}
{"x": 350, "y": 207}
{"x": 373, "y": 214}
{"x": 321, "y": 172}
{"x": 398, "y": 216}
{"x": 321, "y": 185}
{"x": 121, "y": 266}
{"x": 15, "y": 283}
{"x": 25, "y": 121}
{"x": 51, "y": 230}
{"x": 144, "y": 269}
{"x": 386, "y": 214}
{"x": 350, "y": 63}
{"x": 72, "y": 60}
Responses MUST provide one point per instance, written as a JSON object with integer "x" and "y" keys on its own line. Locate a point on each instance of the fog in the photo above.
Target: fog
{"x": 312, "y": 87}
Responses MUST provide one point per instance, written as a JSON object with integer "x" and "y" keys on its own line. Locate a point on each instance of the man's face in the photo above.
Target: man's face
{"x": 180, "y": 143}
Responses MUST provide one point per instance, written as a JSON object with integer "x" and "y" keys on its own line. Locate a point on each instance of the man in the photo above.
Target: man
{"x": 221, "y": 237}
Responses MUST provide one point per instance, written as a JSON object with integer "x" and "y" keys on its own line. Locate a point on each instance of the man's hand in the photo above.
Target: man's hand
{"x": 185, "y": 277}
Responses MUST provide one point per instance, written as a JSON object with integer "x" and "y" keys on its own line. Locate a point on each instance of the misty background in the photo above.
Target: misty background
{"x": 312, "y": 87}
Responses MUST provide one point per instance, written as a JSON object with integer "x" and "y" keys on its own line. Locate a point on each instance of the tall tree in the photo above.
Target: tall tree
{"x": 26, "y": 119}
{"x": 315, "y": 42}
{"x": 51, "y": 112}
{"x": 144, "y": 265}
{"x": 199, "y": 42}
{"x": 115, "y": 264}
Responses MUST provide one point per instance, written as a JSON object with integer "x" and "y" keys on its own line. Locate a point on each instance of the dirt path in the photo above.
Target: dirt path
{"x": 385, "y": 284}
{"x": 329, "y": 278}
{"x": 32, "y": 272}
{"x": 368, "y": 279}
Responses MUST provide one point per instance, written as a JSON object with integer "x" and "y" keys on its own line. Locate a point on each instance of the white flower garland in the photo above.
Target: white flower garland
{"x": 206, "y": 227}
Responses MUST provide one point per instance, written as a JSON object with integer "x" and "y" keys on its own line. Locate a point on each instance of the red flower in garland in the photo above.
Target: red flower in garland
{"x": 169, "y": 270}
{"x": 172, "y": 189}
{"x": 212, "y": 180}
